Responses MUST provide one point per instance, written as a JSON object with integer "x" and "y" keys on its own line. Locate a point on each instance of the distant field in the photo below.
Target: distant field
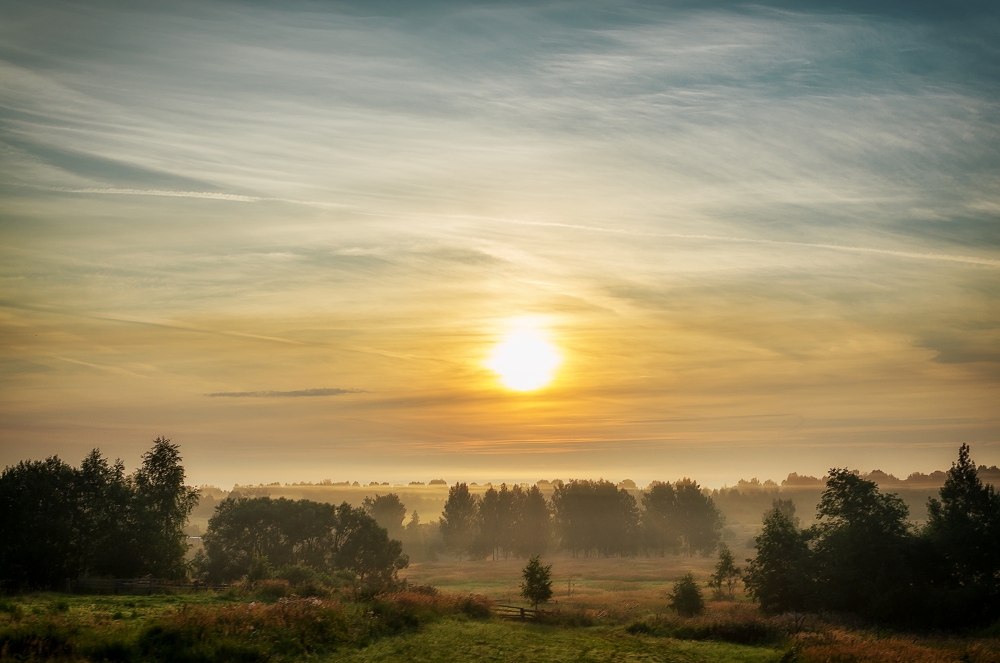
{"x": 615, "y": 583}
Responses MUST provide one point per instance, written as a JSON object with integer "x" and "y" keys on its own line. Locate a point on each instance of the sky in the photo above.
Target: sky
{"x": 759, "y": 238}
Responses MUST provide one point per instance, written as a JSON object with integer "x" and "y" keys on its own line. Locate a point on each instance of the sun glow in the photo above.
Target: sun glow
{"x": 525, "y": 360}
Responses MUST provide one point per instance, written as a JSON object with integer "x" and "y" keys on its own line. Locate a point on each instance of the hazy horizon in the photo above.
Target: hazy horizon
{"x": 744, "y": 239}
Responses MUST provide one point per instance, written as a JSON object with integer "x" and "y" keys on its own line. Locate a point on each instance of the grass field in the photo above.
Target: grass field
{"x": 513, "y": 641}
{"x": 617, "y": 612}
{"x": 621, "y": 584}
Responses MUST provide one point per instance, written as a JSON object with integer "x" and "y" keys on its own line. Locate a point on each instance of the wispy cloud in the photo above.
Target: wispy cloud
{"x": 720, "y": 212}
{"x": 298, "y": 393}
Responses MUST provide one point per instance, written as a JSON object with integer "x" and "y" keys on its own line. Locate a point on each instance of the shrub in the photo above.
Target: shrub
{"x": 429, "y": 590}
{"x": 247, "y": 632}
{"x": 270, "y": 590}
{"x": 11, "y": 608}
{"x": 569, "y": 619}
{"x": 475, "y": 606}
{"x": 296, "y": 574}
{"x": 686, "y": 597}
{"x": 738, "y": 627}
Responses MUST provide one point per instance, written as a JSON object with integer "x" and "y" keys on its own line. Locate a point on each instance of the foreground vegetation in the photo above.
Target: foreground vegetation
{"x": 266, "y": 622}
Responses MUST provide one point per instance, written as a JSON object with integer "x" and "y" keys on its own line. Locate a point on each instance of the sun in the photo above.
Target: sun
{"x": 524, "y": 360}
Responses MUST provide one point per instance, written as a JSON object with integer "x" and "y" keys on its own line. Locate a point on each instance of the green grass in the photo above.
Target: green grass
{"x": 458, "y": 640}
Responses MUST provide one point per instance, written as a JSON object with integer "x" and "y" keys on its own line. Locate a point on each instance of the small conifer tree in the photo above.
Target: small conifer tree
{"x": 537, "y": 585}
{"x": 686, "y": 597}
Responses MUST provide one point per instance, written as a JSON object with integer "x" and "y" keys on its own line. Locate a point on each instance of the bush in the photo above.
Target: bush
{"x": 11, "y": 608}
{"x": 686, "y": 597}
{"x": 290, "y": 628}
{"x": 743, "y": 628}
{"x": 296, "y": 574}
{"x": 475, "y": 606}
{"x": 429, "y": 590}
{"x": 568, "y": 619}
{"x": 270, "y": 590}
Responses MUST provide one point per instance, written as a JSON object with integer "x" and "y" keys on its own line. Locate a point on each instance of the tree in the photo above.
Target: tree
{"x": 37, "y": 544}
{"x": 365, "y": 548}
{"x": 414, "y": 524}
{"x": 659, "y": 519}
{"x": 537, "y": 585}
{"x": 786, "y": 507}
{"x": 698, "y": 520}
{"x": 780, "y": 576}
{"x": 726, "y": 572}
{"x": 964, "y": 528}
{"x": 247, "y": 536}
{"x": 686, "y": 597}
{"x": 388, "y": 511}
{"x": 489, "y": 540}
{"x": 164, "y": 504}
{"x": 533, "y": 532}
{"x": 864, "y": 550}
{"x": 596, "y": 516}
{"x": 59, "y": 522}
{"x": 104, "y": 512}
{"x": 458, "y": 520}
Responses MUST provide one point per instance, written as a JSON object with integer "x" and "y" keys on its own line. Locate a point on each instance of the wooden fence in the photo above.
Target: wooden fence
{"x": 516, "y": 612}
{"x": 136, "y": 586}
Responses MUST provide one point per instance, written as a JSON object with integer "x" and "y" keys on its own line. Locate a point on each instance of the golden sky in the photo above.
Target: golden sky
{"x": 759, "y": 240}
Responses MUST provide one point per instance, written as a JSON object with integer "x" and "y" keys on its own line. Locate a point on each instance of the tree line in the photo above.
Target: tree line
{"x": 254, "y": 537}
{"x": 59, "y": 521}
{"x": 863, "y": 556}
{"x": 586, "y": 518}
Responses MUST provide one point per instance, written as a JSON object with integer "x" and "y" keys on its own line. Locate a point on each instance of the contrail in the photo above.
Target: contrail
{"x": 160, "y": 192}
{"x": 209, "y": 195}
{"x": 232, "y": 197}
{"x": 725, "y": 238}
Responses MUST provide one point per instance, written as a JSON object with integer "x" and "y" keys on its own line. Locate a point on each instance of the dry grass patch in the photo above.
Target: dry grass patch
{"x": 839, "y": 646}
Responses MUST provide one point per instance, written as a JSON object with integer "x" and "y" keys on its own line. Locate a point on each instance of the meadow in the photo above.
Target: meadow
{"x": 614, "y": 610}
{"x": 620, "y": 584}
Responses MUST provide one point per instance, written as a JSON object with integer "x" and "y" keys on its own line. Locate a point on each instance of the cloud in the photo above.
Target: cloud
{"x": 298, "y": 393}
{"x": 723, "y": 208}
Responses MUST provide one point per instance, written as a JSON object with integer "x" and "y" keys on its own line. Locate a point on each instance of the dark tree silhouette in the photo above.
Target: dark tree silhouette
{"x": 59, "y": 522}
{"x": 780, "y": 577}
{"x": 863, "y": 549}
{"x": 38, "y": 547}
{"x": 964, "y": 528}
{"x": 246, "y": 537}
{"x": 164, "y": 504}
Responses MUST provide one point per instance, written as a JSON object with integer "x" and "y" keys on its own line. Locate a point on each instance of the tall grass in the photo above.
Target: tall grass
{"x": 740, "y": 625}
{"x": 290, "y": 628}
